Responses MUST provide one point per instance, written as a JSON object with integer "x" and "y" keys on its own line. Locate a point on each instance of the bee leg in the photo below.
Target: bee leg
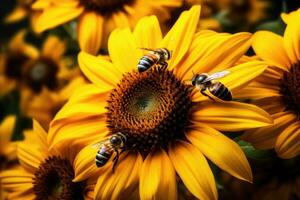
{"x": 123, "y": 149}
{"x": 164, "y": 65}
{"x": 204, "y": 94}
{"x": 115, "y": 160}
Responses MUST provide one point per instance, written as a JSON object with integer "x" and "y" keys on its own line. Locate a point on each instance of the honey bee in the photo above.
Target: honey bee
{"x": 204, "y": 81}
{"x": 157, "y": 56}
{"x": 107, "y": 147}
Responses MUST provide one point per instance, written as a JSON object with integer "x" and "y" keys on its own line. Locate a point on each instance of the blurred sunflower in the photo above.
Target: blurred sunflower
{"x": 97, "y": 18}
{"x": 23, "y": 10}
{"x": 168, "y": 124}
{"x": 32, "y": 72}
{"x": 277, "y": 179}
{"x": 44, "y": 174}
{"x": 274, "y": 178}
{"x": 277, "y": 89}
{"x": 230, "y": 15}
{"x": 7, "y": 148}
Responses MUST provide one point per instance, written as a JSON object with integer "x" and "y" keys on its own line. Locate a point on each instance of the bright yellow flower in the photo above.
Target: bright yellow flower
{"x": 44, "y": 174}
{"x": 40, "y": 76}
{"x": 170, "y": 127}
{"x": 277, "y": 89}
{"x": 97, "y": 18}
{"x": 23, "y": 9}
{"x": 7, "y": 148}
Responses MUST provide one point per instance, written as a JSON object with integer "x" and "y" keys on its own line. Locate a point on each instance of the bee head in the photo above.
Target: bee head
{"x": 194, "y": 79}
{"x": 115, "y": 140}
{"x": 201, "y": 78}
{"x": 166, "y": 53}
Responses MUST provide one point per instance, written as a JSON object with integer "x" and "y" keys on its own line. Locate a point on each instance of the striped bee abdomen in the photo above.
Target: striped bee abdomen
{"x": 221, "y": 91}
{"x": 102, "y": 157}
{"x": 145, "y": 63}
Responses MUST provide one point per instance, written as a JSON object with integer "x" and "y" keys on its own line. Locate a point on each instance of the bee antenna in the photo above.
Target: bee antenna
{"x": 193, "y": 72}
{"x": 122, "y": 135}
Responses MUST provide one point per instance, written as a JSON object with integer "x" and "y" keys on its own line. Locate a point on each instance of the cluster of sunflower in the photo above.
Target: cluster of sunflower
{"x": 156, "y": 135}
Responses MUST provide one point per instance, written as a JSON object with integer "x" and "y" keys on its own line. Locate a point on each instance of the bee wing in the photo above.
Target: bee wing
{"x": 147, "y": 49}
{"x": 217, "y": 75}
{"x": 100, "y": 143}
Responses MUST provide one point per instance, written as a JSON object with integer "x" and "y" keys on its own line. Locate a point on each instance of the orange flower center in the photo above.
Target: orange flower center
{"x": 151, "y": 109}
{"x": 290, "y": 89}
{"x": 105, "y": 7}
{"x": 53, "y": 180}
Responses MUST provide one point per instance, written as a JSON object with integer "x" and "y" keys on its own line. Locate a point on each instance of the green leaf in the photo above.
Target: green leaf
{"x": 251, "y": 152}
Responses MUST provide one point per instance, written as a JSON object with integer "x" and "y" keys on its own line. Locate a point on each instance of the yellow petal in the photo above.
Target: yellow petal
{"x": 90, "y": 28}
{"x": 53, "y": 48}
{"x": 82, "y": 131}
{"x": 272, "y": 105}
{"x": 264, "y": 45}
{"x": 214, "y": 52}
{"x": 18, "y": 45}
{"x": 57, "y": 15}
{"x": 291, "y": 37}
{"x": 265, "y": 85}
{"x": 99, "y": 71}
{"x": 121, "y": 20}
{"x": 34, "y": 19}
{"x": 193, "y": 170}
{"x": 40, "y": 4}
{"x": 147, "y": 33}
{"x": 87, "y": 101}
{"x": 7, "y": 127}
{"x": 30, "y": 156}
{"x": 40, "y": 134}
{"x": 122, "y": 182}
{"x": 16, "y": 179}
{"x": 86, "y": 107}
{"x": 251, "y": 92}
{"x": 85, "y": 165}
{"x": 238, "y": 77}
{"x": 232, "y": 50}
{"x": 158, "y": 178}
{"x": 222, "y": 151}
{"x": 287, "y": 145}
{"x": 231, "y": 116}
{"x": 123, "y": 50}
{"x": 6, "y": 85}
{"x": 265, "y": 137}
{"x": 242, "y": 74}
{"x": 179, "y": 38}
{"x": 17, "y": 14}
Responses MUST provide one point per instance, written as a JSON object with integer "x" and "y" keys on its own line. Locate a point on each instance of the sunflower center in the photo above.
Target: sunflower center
{"x": 105, "y": 7}
{"x": 53, "y": 180}
{"x": 13, "y": 65}
{"x": 41, "y": 73}
{"x": 290, "y": 89}
{"x": 151, "y": 109}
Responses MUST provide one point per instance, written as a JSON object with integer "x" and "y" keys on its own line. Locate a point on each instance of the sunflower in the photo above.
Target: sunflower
{"x": 277, "y": 89}
{"x": 44, "y": 173}
{"x": 275, "y": 178}
{"x": 97, "y": 18}
{"x": 7, "y": 148}
{"x": 38, "y": 76}
{"x": 227, "y": 15}
{"x": 170, "y": 127}
{"x": 23, "y": 10}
